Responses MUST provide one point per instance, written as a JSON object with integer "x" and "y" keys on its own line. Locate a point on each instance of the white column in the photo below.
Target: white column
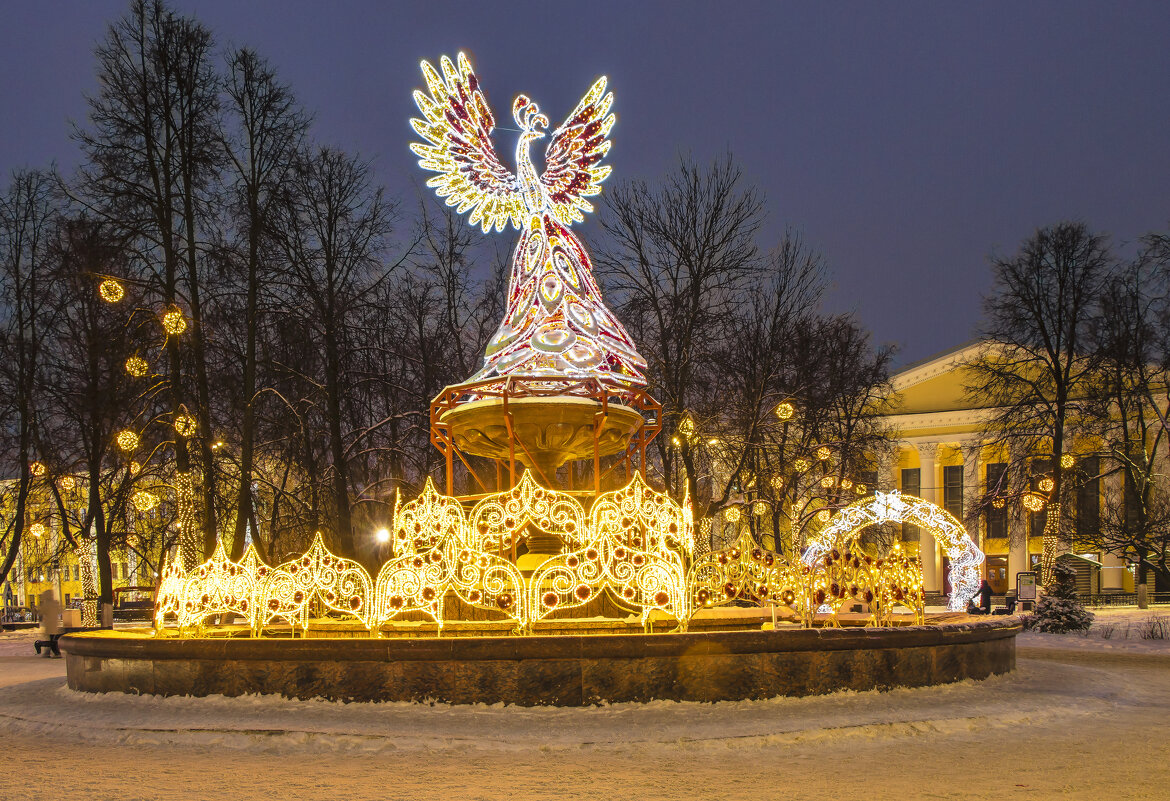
{"x": 971, "y": 495}
{"x": 928, "y": 485}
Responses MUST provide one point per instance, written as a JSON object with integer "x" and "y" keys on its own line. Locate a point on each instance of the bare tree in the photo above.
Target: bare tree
{"x": 1132, "y": 411}
{"x": 27, "y": 216}
{"x": 1037, "y": 367}
{"x": 674, "y": 262}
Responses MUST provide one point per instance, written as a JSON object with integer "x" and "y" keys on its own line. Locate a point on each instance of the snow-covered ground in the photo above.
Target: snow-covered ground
{"x": 1076, "y": 720}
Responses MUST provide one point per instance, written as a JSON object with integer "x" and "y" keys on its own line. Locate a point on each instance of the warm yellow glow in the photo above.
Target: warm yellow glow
{"x": 1046, "y": 484}
{"x": 144, "y": 501}
{"x": 893, "y": 507}
{"x": 801, "y": 464}
{"x": 68, "y": 482}
{"x": 36, "y": 469}
{"x": 127, "y": 440}
{"x": 1068, "y": 461}
{"x": 824, "y": 452}
{"x": 185, "y": 425}
{"x": 1032, "y": 502}
{"x": 785, "y": 411}
{"x": 759, "y": 508}
{"x": 777, "y": 483}
{"x": 38, "y": 530}
{"x": 861, "y": 489}
{"x": 828, "y": 481}
{"x": 998, "y": 503}
{"x": 823, "y": 516}
{"x": 713, "y": 441}
{"x": 731, "y": 514}
{"x": 111, "y": 291}
{"x": 174, "y": 322}
{"x": 136, "y": 366}
{"x": 846, "y": 484}
{"x": 686, "y": 427}
{"x": 382, "y": 536}
{"x": 134, "y": 467}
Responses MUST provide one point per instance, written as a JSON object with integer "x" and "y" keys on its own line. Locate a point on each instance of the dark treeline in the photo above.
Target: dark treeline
{"x": 271, "y": 325}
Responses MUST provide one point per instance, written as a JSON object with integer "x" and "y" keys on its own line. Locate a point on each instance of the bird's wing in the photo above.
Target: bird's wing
{"x": 571, "y": 171}
{"x": 457, "y": 126}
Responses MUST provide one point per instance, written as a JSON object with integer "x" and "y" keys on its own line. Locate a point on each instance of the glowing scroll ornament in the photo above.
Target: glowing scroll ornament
{"x": 556, "y": 323}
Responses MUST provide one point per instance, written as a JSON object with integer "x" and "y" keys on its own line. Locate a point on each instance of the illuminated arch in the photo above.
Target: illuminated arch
{"x": 894, "y": 507}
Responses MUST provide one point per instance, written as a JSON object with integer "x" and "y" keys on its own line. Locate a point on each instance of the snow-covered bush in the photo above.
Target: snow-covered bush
{"x": 1060, "y": 609}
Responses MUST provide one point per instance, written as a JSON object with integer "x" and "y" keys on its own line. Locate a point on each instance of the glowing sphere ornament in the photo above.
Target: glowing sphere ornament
{"x": 37, "y": 530}
{"x": 185, "y": 425}
{"x": 1046, "y": 484}
{"x": 173, "y": 321}
{"x": 801, "y": 465}
{"x": 68, "y": 482}
{"x": 785, "y": 411}
{"x": 127, "y": 440}
{"x": 1032, "y": 502}
{"x": 759, "y": 508}
{"x": 823, "y": 516}
{"x": 136, "y": 366}
{"x": 731, "y": 514}
{"x": 36, "y": 469}
{"x": 144, "y": 501}
{"x": 824, "y": 452}
{"x": 111, "y": 291}
{"x": 1068, "y": 461}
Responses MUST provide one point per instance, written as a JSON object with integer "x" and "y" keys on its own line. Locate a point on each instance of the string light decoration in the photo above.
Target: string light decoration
{"x": 144, "y": 501}
{"x": 634, "y": 548}
{"x": 1045, "y": 484}
{"x": 185, "y": 425}
{"x": 1032, "y": 502}
{"x": 760, "y": 508}
{"x": 777, "y": 482}
{"x": 174, "y": 322}
{"x": 828, "y": 481}
{"x": 731, "y": 514}
{"x": 745, "y": 572}
{"x": 861, "y": 489}
{"x": 824, "y": 452}
{"x": 894, "y": 507}
{"x": 68, "y": 483}
{"x": 439, "y": 554}
{"x": 136, "y": 366}
{"x": 289, "y": 591}
{"x": 127, "y": 440}
{"x": 785, "y": 411}
{"x": 38, "y": 530}
{"x": 634, "y": 544}
{"x": 37, "y": 469}
{"x": 556, "y": 322}
{"x": 802, "y": 464}
{"x": 846, "y": 484}
{"x": 823, "y": 516}
{"x": 1051, "y": 544}
{"x": 998, "y": 503}
{"x": 111, "y": 291}
{"x": 89, "y": 591}
{"x": 1068, "y": 461}
{"x": 190, "y": 543}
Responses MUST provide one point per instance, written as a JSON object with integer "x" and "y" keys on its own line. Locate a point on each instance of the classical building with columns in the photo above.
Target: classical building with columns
{"x": 941, "y": 457}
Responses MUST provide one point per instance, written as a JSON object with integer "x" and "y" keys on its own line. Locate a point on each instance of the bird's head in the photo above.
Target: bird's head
{"x": 528, "y": 117}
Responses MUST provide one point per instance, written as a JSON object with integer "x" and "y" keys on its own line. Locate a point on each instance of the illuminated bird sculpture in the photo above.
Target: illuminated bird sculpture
{"x": 556, "y": 323}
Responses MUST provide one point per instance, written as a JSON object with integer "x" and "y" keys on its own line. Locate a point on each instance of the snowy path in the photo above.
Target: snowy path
{"x": 1074, "y": 721}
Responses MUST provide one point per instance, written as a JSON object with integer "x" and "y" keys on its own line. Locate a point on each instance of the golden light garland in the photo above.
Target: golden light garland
{"x": 1045, "y": 484}
{"x": 111, "y": 291}
{"x": 785, "y": 411}
{"x": 89, "y": 591}
{"x": 633, "y": 545}
{"x": 127, "y": 440}
{"x": 1067, "y": 461}
{"x": 68, "y": 483}
{"x": 998, "y": 503}
{"x": 893, "y": 507}
{"x": 824, "y": 452}
{"x": 1052, "y": 545}
{"x": 37, "y": 469}
{"x": 190, "y": 543}
{"x": 731, "y": 514}
{"x": 136, "y": 366}
{"x": 745, "y": 572}
{"x": 174, "y": 322}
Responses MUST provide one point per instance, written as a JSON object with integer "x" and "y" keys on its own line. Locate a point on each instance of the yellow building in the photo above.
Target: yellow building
{"x": 942, "y": 457}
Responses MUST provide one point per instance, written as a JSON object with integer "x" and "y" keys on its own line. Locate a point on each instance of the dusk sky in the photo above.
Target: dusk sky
{"x": 907, "y": 142}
